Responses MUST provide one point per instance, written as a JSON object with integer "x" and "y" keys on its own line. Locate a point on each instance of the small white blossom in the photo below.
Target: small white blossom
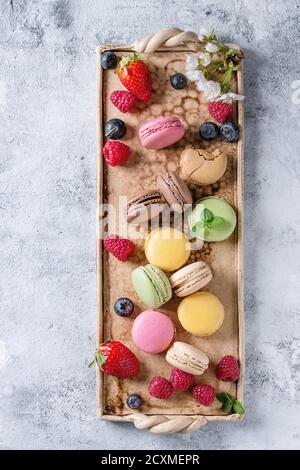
{"x": 200, "y": 85}
{"x": 210, "y": 47}
{"x": 203, "y": 34}
{"x": 204, "y": 59}
{"x": 195, "y": 75}
{"x": 191, "y": 62}
{"x": 229, "y": 97}
{"x": 211, "y": 90}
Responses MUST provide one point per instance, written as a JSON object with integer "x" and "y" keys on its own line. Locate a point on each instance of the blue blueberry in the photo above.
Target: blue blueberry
{"x": 178, "y": 81}
{"x": 108, "y": 60}
{"x": 209, "y": 131}
{"x": 230, "y": 131}
{"x": 115, "y": 129}
{"x": 123, "y": 307}
{"x": 134, "y": 401}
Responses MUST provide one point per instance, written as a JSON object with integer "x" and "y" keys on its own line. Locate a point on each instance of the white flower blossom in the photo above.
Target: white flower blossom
{"x": 211, "y": 47}
{"x": 195, "y": 75}
{"x": 229, "y": 97}
{"x": 201, "y": 84}
{"x": 203, "y": 34}
{"x": 211, "y": 89}
{"x": 204, "y": 59}
{"x": 191, "y": 62}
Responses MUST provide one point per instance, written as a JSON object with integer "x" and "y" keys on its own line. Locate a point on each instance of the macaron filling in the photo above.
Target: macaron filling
{"x": 158, "y": 125}
{"x": 159, "y": 284}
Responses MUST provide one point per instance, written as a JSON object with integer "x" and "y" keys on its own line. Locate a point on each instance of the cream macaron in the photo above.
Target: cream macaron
{"x": 190, "y": 278}
{"x": 188, "y": 358}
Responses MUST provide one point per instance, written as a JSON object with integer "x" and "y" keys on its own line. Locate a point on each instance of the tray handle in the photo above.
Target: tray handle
{"x": 163, "y": 424}
{"x": 167, "y": 38}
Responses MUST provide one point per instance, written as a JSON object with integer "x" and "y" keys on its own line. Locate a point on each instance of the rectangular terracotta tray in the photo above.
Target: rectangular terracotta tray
{"x": 180, "y": 413}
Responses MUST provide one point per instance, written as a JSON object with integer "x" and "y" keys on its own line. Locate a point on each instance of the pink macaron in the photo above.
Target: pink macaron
{"x": 161, "y": 132}
{"x": 152, "y": 331}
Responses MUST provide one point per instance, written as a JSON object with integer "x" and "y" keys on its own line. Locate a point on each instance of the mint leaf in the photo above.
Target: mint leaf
{"x": 238, "y": 407}
{"x": 207, "y": 215}
{"x": 227, "y": 405}
{"x": 223, "y": 396}
{"x": 217, "y": 221}
{"x": 198, "y": 228}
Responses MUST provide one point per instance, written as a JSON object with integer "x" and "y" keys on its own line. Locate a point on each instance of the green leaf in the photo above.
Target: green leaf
{"x": 227, "y": 405}
{"x": 238, "y": 407}
{"x": 217, "y": 221}
{"x": 198, "y": 228}
{"x": 207, "y": 215}
{"x": 222, "y": 396}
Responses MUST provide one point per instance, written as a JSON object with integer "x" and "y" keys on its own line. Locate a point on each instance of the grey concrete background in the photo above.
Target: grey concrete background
{"x": 47, "y": 206}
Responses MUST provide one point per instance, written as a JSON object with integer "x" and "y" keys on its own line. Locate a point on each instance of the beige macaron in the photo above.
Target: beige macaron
{"x": 190, "y": 278}
{"x": 186, "y": 357}
{"x": 203, "y": 167}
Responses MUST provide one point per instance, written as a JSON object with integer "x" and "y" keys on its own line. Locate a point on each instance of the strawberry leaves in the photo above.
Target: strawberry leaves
{"x": 229, "y": 404}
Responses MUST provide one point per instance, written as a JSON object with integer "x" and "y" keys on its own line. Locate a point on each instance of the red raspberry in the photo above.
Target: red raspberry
{"x": 115, "y": 153}
{"x": 204, "y": 394}
{"x": 123, "y": 100}
{"x": 228, "y": 369}
{"x": 181, "y": 380}
{"x": 220, "y": 111}
{"x": 160, "y": 387}
{"x": 119, "y": 247}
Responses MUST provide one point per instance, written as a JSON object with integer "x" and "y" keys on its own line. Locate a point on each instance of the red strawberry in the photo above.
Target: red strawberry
{"x": 115, "y": 153}
{"x": 228, "y": 369}
{"x": 181, "y": 380}
{"x": 119, "y": 247}
{"x": 160, "y": 387}
{"x": 123, "y": 100}
{"x": 204, "y": 394}
{"x": 220, "y": 111}
{"x": 134, "y": 74}
{"x": 114, "y": 358}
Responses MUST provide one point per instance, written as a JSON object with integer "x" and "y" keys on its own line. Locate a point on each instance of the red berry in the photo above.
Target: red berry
{"x": 134, "y": 74}
{"x": 228, "y": 369}
{"x": 160, "y": 387}
{"x": 119, "y": 247}
{"x": 123, "y": 100}
{"x": 114, "y": 358}
{"x": 220, "y": 111}
{"x": 204, "y": 394}
{"x": 115, "y": 153}
{"x": 181, "y": 380}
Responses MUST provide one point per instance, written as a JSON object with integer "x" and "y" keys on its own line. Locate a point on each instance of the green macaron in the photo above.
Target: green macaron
{"x": 152, "y": 285}
{"x": 212, "y": 219}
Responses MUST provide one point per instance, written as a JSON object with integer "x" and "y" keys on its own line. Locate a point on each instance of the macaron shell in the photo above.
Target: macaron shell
{"x": 152, "y": 331}
{"x": 201, "y": 314}
{"x": 144, "y": 207}
{"x": 144, "y": 288}
{"x": 161, "y": 132}
{"x": 202, "y": 167}
{"x": 167, "y": 248}
{"x": 190, "y": 278}
{"x": 151, "y": 285}
{"x": 175, "y": 191}
{"x": 219, "y": 207}
{"x": 188, "y": 358}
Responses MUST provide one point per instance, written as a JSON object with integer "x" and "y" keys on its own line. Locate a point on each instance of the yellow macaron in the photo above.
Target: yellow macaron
{"x": 201, "y": 314}
{"x": 168, "y": 248}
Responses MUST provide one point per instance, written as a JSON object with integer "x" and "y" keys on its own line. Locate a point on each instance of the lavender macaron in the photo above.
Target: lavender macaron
{"x": 175, "y": 191}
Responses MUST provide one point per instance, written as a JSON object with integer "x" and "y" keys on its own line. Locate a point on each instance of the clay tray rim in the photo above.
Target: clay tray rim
{"x": 99, "y": 247}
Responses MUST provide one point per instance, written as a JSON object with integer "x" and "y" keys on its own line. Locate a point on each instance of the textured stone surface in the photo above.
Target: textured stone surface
{"x": 47, "y": 178}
